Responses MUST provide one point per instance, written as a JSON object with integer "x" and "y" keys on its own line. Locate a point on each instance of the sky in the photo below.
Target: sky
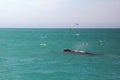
{"x": 59, "y": 13}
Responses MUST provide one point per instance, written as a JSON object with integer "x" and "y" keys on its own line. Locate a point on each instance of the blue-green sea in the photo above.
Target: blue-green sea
{"x": 37, "y": 54}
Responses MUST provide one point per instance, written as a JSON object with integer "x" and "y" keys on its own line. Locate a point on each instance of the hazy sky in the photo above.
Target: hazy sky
{"x": 59, "y": 13}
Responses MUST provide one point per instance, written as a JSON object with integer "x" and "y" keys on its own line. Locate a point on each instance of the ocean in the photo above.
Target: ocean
{"x": 38, "y": 54}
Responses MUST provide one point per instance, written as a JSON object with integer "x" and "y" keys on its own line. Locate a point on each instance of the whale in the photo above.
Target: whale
{"x": 78, "y": 51}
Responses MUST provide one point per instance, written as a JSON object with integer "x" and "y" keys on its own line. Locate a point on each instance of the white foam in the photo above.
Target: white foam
{"x": 77, "y": 34}
{"x": 42, "y": 37}
{"x": 100, "y": 41}
{"x": 43, "y": 44}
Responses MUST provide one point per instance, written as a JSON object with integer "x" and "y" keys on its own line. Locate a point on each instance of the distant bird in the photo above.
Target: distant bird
{"x": 76, "y": 24}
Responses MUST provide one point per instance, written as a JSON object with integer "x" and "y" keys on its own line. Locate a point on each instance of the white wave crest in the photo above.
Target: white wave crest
{"x": 43, "y": 44}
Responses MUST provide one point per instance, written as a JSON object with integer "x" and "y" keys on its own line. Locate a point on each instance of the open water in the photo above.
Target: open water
{"x": 37, "y": 54}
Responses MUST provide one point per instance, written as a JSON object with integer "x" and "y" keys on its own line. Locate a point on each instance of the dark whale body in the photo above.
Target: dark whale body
{"x": 78, "y": 51}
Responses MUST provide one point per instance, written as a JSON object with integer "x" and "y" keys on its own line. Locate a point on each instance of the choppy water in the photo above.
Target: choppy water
{"x": 37, "y": 54}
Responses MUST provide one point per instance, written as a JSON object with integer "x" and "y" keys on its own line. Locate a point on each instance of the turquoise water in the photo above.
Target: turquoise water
{"x": 37, "y": 54}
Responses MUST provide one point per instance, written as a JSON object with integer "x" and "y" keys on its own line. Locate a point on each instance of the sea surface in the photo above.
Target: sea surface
{"x": 37, "y": 54}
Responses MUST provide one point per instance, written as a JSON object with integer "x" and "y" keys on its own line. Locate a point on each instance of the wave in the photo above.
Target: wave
{"x": 43, "y": 44}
